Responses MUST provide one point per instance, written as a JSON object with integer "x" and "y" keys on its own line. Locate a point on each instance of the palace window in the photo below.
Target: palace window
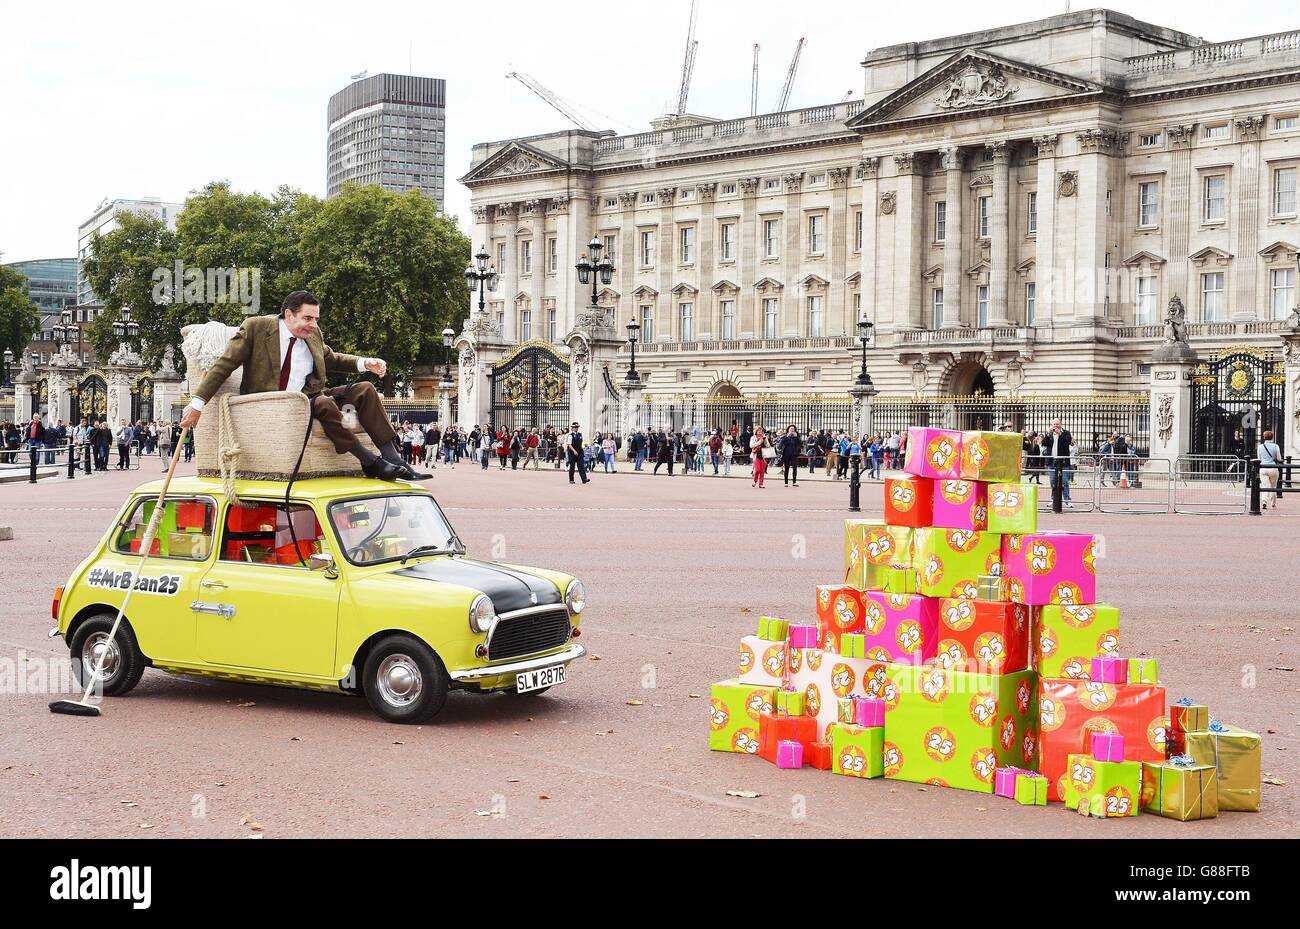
{"x": 552, "y": 255}
{"x": 982, "y": 305}
{"x": 611, "y": 242}
{"x": 1285, "y": 123}
{"x": 1148, "y": 203}
{"x": 728, "y": 319}
{"x": 687, "y": 235}
{"x": 1151, "y": 139}
{"x": 727, "y": 241}
{"x": 525, "y": 325}
{"x": 985, "y": 204}
{"x": 1215, "y": 186}
{"x": 1284, "y": 192}
{"x": 1212, "y": 297}
{"x": 857, "y": 231}
{"x": 936, "y": 304}
{"x": 1031, "y": 213}
{"x": 728, "y": 189}
{"x": 1031, "y": 302}
{"x": 550, "y": 326}
{"x": 769, "y": 317}
{"x": 647, "y": 323}
{"x": 1145, "y": 313}
{"x": 526, "y": 256}
{"x": 816, "y": 234}
{"x": 771, "y": 237}
{"x": 941, "y": 221}
{"x": 1282, "y": 283}
{"x": 687, "y": 318}
{"x": 647, "y": 248}
{"x": 1218, "y": 132}
{"x": 815, "y": 317}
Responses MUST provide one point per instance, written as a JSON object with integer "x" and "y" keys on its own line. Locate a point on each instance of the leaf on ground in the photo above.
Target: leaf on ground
{"x": 1275, "y": 781}
{"x": 745, "y": 609}
{"x": 635, "y": 702}
{"x": 694, "y": 696}
{"x": 981, "y": 809}
{"x": 294, "y": 738}
{"x": 247, "y": 703}
{"x": 593, "y": 658}
{"x": 256, "y": 827}
{"x": 128, "y": 803}
{"x": 743, "y": 794}
{"x": 512, "y": 780}
{"x": 399, "y": 743}
{"x": 245, "y": 820}
{"x": 543, "y": 797}
{"x": 482, "y": 812}
{"x": 146, "y": 825}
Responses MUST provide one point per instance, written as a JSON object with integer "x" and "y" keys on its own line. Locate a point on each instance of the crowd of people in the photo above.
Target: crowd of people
{"x": 92, "y": 440}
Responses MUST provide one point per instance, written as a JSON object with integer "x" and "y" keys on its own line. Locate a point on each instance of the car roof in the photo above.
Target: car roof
{"x": 319, "y": 488}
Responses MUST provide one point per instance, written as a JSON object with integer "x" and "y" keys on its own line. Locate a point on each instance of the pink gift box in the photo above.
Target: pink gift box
{"x": 803, "y": 637}
{"x": 870, "y": 711}
{"x": 1110, "y": 670}
{"x": 1004, "y": 781}
{"x": 960, "y": 504}
{"x": 1107, "y": 746}
{"x": 789, "y": 754}
{"x": 1050, "y": 567}
{"x": 933, "y": 453}
{"x": 900, "y": 627}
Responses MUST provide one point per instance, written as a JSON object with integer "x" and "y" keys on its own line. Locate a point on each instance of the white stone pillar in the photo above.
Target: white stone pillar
{"x": 1000, "y": 246}
{"x": 869, "y": 284}
{"x": 632, "y": 393}
{"x": 1045, "y": 236}
{"x": 908, "y": 202}
{"x": 1290, "y": 438}
{"x": 1171, "y": 402}
{"x": 954, "y": 196}
{"x": 510, "y": 269}
{"x": 863, "y": 408}
{"x": 167, "y": 393}
{"x": 119, "y": 396}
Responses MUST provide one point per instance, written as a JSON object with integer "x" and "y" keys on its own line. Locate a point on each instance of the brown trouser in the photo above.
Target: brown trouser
{"x": 327, "y": 407}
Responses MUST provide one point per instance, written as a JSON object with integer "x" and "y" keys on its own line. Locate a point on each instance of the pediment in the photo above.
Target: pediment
{"x": 973, "y": 82}
{"x": 725, "y": 287}
{"x": 1026, "y": 267}
{"x": 514, "y": 160}
{"x": 933, "y": 272}
{"x": 978, "y": 269}
{"x": 608, "y": 295}
{"x": 813, "y": 280}
{"x": 1278, "y": 251}
{"x": 1144, "y": 258}
{"x": 768, "y": 283}
{"x": 686, "y": 289}
{"x": 645, "y": 291}
{"x": 1210, "y": 254}
{"x": 854, "y": 279}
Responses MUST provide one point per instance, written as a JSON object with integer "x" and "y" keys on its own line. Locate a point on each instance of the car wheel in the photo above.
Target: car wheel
{"x": 124, "y": 663}
{"x": 404, "y": 680}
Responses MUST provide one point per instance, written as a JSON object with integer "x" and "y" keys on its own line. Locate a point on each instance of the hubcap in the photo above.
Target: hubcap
{"x": 99, "y": 644}
{"x": 399, "y": 680}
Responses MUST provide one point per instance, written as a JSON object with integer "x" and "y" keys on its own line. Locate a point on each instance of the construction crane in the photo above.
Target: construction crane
{"x": 688, "y": 60}
{"x": 846, "y": 97}
{"x": 753, "y": 86}
{"x": 568, "y": 111}
{"x": 789, "y": 77}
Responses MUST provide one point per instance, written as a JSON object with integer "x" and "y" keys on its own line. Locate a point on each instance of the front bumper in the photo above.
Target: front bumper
{"x": 487, "y": 672}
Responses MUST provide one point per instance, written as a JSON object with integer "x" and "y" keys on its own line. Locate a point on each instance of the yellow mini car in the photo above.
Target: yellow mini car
{"x": 359, "y": 585}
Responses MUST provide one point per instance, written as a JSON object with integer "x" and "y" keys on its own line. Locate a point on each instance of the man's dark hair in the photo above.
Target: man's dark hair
{"x": 296, "y": 299}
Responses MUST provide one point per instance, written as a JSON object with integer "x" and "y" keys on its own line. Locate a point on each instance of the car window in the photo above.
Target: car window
{"x": 383, "y": 528}
{"x": 184, "y": 530}
{"x": 262, "y": 534}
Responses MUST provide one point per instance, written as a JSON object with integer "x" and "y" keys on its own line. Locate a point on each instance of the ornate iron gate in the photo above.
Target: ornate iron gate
{"x": 609, "y": 410}
{"x": 530, "y": 387}
{"x": 90, "y": 398}
{"x": 142, "y": 400}
{"x": 1236, "y": 395}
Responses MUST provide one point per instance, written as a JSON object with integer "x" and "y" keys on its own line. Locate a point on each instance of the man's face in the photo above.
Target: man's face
{"x": 303, "y": 322}
{"x": 1056, "y": 425}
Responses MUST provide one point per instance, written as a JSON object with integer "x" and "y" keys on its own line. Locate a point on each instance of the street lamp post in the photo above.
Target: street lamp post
{"x": 444, "y": 395}
{"x": 864, "y": 336}
{"x": 633, "y": 330}
{"x": 596, "y": 270}
{"x": 9, "y": 361}
{"x": 125, "y": 327}
{"x": 481, "y": 276}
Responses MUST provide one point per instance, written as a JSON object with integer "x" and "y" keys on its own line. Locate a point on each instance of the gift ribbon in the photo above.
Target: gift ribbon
{"x": 1182, "y": 761}
{"x": 1184, "y": 701}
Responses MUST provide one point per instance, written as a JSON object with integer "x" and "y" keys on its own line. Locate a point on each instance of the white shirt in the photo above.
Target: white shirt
{"x": 300, "y": 368}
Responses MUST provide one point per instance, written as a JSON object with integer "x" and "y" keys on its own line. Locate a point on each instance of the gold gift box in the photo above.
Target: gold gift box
{"x": 1189, "y": 717}
{"x": 1180, "y": 791}
{"x": 1236, "y": 754}
{"x": 993, "y": 457}
{"x": 187, "y": 545}
{"x": 989, "y": 587}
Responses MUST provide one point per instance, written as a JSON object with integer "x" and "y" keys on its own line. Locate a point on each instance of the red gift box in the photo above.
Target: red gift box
{"x": 1069, "y": 707}
{"x": 985, "y": 636}
{"x": 285, "y": 554}
{"x": 773, "y": 729}
{"x": 908, "y": 501}
{"x": 819, "y": 755}
{"x": 839, "y": 610}
{"x": 258, "y": 519}
{"x": 153, "y": 549}
{"x": 191, "y": 514}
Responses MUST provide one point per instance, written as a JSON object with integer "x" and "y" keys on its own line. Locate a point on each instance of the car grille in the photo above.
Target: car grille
{"x": 525, "y": 635}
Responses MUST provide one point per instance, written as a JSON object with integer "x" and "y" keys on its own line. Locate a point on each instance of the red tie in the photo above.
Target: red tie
{"x": 285, "y": 365}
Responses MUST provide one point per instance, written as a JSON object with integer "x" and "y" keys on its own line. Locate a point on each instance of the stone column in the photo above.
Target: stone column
{"x": 537, "y": 292}
{"x": 747, "y": 307}
{"x": 1289, "y": 440}
{"x": 1045, "y": 238}
{"x": 794, "y": 318}
{"x": 1000, "y": 246}
{"x": 571, "y": 216}
{"x": 58, "y": 387}
{"x": 482, "y": 232}
{"x": 478, "y": 347}
{"x": 119, "y": 395}
{"x": 632, "y": 391}
{"x": 1171, "y": 400}
{"x": 1243, "y": 211}
{"x": 23, "y": 398}
{"x": 838, "y": 308}
{"x": 708, "y": 325}
{"x": 908, "y": 201}
{"x": 869, "y": 281}
{"x": 666, "y": 323}
{"x": 593, "y": 343}
{"x": 1178, "y": 203}
{"x": 1091, "y": 239}
{"x": 510, "y": 267}
{"x": 444, "y": 406}
{"x": 627, "y": 260}
{"x": 863, "y": 408}
{"x": 954, "y": 199}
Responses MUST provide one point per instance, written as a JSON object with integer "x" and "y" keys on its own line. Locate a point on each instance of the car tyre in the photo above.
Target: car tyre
{"x": 404, "y": 681}
{"x": 125, "y": 663}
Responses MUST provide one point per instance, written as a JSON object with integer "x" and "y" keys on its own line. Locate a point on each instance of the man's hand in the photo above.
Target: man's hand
{"x": 377, "y": 366}
{"x": 190, "y": 418}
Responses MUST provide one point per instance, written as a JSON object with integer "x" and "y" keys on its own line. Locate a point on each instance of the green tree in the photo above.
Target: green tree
{"x": 387, "y": 268}
{"x": 124, "y": 268}
{"x": 19, "y": 317}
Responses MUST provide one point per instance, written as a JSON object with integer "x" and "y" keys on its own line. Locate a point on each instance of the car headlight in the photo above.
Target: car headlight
{"x": 481, "y": 613}
{"x": 575, "y": 598}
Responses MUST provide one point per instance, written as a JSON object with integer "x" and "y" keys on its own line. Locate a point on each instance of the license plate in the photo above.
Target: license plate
{"x": 542, "y": 677}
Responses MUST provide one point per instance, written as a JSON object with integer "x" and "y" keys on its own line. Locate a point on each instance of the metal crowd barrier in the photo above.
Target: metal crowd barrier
{"x": 1210, "y": 485}
{"x": 1138, "y": 485}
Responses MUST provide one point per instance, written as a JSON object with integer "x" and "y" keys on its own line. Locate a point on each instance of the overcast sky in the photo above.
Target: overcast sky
{"x": 157, "y": 98}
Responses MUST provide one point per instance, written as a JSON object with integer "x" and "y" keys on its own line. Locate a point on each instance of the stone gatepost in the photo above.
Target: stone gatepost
{"x": 863, "y": 417}
{"x": 1171, "y": 400}
{"x": 478, "y": 347}
{"x": 632, "y": 391}
{"x": 23, "y": 382}
{"x": 1289, "y": 441}
{"x": 168, "y": 388}
{"x": 593, "y": 343}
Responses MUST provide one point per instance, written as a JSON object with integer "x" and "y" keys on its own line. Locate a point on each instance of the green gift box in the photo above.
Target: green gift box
{"x": 949, "y": 562}
{"x": 1186, "y": 716}
{"x": 734, "y": 709}
{"x": 1236, "y": 756}
{"x": 892, "y": 578}
{"x": 956, "y": 728}
{"x": 1106, "y": 789}
{"x": 790, "y": 702}
{"x": 857, "y": 751}
{"x": 991, "y": 456}
{"x": 1031, "y": 790}
{"x": 1013, "y": 508}
{"x": 1143, "y": 670}
{"x": 773, "y": 629}
{"x": 1180, "y": 789}
{"x": 870, "y": 545}
{"x": 853, "y": 645}
{"x": 1067, "y": 637}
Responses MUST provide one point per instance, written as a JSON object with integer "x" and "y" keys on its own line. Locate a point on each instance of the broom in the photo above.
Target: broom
{"x": 84, "y": 707}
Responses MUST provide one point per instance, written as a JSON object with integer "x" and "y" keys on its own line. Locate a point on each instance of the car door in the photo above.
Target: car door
{"x": 258, "y": 606}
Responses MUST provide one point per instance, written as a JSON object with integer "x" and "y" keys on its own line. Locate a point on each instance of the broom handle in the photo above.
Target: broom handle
{"x": 146, "y": 543}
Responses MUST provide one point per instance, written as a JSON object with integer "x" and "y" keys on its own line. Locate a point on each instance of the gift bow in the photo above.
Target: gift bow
{"x": 1182, "y": 761}
{"x": 1184, "y": 701}
{"x": 1216, "y": 726}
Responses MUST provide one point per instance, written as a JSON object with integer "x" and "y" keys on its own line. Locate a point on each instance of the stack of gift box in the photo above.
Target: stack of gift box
{"x": 965, "y": 648}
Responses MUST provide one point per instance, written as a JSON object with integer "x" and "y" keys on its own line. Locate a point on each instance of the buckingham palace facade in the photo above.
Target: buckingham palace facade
{"x": 1013, "y": 209}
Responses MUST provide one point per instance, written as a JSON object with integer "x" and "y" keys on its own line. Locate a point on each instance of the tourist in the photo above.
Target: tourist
{"x": 1270, "y": 472}
{"x": 187, "y": 445}
{"x": 832, "y": 458}
{"x": 761, "y": 451}
{"x": 1056, "y": 450}
{"x": 485, "y": 447}
{"x": 664, "y": 451}
{"x": 728, "y": 452}
{"x": 843, "y": 460}
{"x": 125, "y": 434}
{"x": 715, "y": 450}
{"x": 789, "y": 447}
{"x": 608, "y": 449}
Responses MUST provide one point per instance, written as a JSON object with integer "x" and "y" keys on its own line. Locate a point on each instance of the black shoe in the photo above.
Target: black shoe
{"x": 383, "y": 469}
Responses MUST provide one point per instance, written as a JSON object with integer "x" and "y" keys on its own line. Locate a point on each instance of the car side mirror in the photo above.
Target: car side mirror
{"x": 320, "y": 561}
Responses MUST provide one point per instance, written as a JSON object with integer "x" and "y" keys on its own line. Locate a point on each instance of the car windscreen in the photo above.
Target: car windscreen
{"x": 388, "y": 527}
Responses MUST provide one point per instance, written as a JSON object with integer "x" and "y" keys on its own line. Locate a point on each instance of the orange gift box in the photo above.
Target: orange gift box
{"x": 909, "y": 501}
{"x": 258, "y": 519}
{"x": 774, "y": 729}
{"x": 839, "y": 610}
{"x": 985, "y": 636}
{"x": 1067, "y": 708}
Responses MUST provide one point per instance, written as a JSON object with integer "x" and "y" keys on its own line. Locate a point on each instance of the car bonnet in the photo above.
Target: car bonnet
{"x": 509, "y": 589}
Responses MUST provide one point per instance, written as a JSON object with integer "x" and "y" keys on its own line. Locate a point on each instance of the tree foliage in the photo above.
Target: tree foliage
{"x": 19, "y": 317}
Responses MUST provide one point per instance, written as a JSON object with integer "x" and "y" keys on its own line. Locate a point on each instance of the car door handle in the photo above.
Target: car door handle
{"x": 215, "y": 584}
{"x": 224, "y": 610}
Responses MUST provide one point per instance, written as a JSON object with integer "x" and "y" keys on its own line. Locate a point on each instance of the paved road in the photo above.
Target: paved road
{"x": 676, "y": 570}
